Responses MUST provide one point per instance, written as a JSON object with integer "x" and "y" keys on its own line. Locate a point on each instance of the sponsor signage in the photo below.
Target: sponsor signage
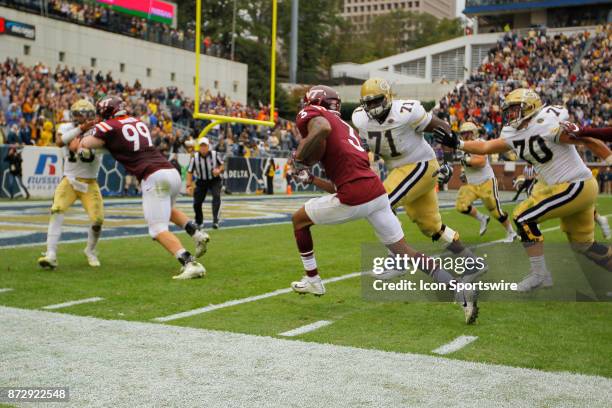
{"x": 157, "y": 10}
{"x": 17, "y": 29}
{"x": 42, "y": 169}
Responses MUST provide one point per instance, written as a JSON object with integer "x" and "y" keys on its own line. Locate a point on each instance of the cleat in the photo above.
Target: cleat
{"x": 202, "y": 239}
{"x": 468, "y": 300}
{"x": 48, "y": 261}
{"x": 215, "y": 225}
{"x": 192, "y": 270}
{"x": 534, "y": 281}
{"x": 92, "y": 258}
{"x": 604, "y": 225}
{"x": 309, "y": 284}
{"x": 510, "y": 237}
{"x": 484, "y": 224}
{"x": 471, "y": 275}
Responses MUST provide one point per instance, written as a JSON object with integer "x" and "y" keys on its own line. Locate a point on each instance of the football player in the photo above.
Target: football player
{"x": 481, "y": 183}
{"x": 355, "y": 192}
{"x": 394, "y": 129}
{"x": 79, "y": 182}
{"x": 566, "y": 188}
{"x": 129, "y": 141}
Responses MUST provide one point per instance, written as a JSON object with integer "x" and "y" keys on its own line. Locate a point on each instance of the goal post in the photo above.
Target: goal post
{"x": 218, "y": 119}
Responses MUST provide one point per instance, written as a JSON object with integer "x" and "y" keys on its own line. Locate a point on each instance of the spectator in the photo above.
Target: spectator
{"x": 14, "y": 161}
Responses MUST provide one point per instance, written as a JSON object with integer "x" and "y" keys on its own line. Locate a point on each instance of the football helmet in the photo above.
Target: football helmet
{"x": 519, "y": 105}
{"x": 110, "y": 106}
{"x": 468, "y": 131}
{"x": 321, "y": 95}
{"x": 82, "y": 110}
{"x": 376, "y": 97}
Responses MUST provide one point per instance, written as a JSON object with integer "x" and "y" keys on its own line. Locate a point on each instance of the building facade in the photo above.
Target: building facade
{"x": 360, "y": 12}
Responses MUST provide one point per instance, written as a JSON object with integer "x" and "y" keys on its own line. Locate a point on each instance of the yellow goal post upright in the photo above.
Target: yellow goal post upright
{"x": 218, "y": 119}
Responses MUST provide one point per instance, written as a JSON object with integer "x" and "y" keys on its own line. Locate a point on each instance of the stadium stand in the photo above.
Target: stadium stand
{"x": 33, "y": 100}
{"x": 567, "y": 70}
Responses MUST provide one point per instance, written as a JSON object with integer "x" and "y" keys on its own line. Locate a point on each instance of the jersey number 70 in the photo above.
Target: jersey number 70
{"x": 537, "y": 149}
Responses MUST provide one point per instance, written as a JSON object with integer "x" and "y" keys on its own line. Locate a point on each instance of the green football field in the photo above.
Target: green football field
{"x": 135, "y": 284}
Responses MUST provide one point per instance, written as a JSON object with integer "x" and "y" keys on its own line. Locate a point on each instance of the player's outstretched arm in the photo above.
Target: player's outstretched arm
{"x": 599, "y": 148}
{"x": 318, "y": 130}
{"x": 91, "y": 142}
{"x": 575, "y": 131}
{"x": 449, "y": 138}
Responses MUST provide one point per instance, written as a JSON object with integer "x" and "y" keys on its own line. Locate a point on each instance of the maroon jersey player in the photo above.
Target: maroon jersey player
{"x": 129, "y": 141}
{"x": 355, "y": 192}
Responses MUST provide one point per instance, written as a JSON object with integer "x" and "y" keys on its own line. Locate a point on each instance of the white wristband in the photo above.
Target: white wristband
{"x": 460, "y": 146}
{"x": 609, "y": 160}
{"x": 71, "y": 134}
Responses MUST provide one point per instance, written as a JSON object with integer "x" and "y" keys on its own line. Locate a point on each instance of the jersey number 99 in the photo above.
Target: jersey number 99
{"x": 133, "y": 134}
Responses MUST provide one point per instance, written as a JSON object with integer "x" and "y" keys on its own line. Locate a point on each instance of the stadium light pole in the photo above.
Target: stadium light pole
{"x": 294, "y": 42}
{"x": 233, "y": 31}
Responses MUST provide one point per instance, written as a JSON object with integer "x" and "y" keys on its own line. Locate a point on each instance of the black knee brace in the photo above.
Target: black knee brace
{"x": 503, "y": 217}
{"x": 96, "y": 227}
{"x": 529, "y": 231}
{"x": 468, "y": 210}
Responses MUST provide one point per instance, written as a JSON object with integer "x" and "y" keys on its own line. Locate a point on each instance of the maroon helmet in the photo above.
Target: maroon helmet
{"x": 324, "y": 96}
{"x": 110, "y": 106}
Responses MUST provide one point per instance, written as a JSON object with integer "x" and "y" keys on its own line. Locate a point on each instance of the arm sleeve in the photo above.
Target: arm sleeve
{"x": 191, "y": 164}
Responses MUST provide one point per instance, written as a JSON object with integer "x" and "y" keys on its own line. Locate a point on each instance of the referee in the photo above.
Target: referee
{"x": 207, "y": 167}
{"x": 529, "y": 174}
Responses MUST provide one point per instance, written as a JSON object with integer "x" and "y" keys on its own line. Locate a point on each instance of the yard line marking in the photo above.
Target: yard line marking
{"x": 277, "y": 292}
{"x": 72, "y": 303}
{"x": 305, "y": 329}
{"x": 457, "y": 344}
{"x": 249, "y": 299}
{"x": 2, "y": 290}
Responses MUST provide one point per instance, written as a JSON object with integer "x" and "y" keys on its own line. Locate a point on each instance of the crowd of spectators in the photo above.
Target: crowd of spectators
{"x": 559, "y": 68}
{"x": 103, "y": 17}
{"x": 34, "y": 100}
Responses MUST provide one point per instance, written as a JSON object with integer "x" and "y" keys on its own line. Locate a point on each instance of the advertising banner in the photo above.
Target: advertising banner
{"x": 42, "y": 170}
{"x": 157, "y": 10}
{"x": 17, "y": 29}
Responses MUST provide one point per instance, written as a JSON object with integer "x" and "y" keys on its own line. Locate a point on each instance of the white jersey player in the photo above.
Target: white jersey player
{"x": 566, "y": 188}
{"x": 79, "y": 182}
{"x": 481, "y": 184}
{"x": 395, "y": 130}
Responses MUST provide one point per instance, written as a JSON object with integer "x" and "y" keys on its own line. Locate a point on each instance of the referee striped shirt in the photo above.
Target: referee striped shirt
{"x": 529, "y": 172}
{"x": 202, "y": 166}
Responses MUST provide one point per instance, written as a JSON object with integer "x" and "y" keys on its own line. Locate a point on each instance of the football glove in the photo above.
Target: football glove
{"x": 303, "y": 176}
{"x": 570, "y": 128}
{"x": 463, "y": 177}
{"x": 444, "y": 173}
{"x": 446, "y": 137}
{"x": 86, "y": 155}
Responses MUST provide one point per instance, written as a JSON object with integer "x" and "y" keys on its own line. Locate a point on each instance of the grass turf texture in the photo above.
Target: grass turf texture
{"x": 135, "y": 282}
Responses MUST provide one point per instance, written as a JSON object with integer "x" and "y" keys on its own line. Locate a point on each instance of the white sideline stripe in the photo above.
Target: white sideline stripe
{"x": 277, "y": 292}
{"x": 305, "y": 329}
{"x": 457, "y": 344}
{"x": 249, "y": 299}
{"x": 2, "y": 290}
{"x": 215, "y": 369}
{"x": 72, "y": 303}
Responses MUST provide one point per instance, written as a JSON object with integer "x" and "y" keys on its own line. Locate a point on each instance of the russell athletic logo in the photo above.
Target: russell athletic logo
{"x": 46, "y": 161}
{"x": 46, "y": 173}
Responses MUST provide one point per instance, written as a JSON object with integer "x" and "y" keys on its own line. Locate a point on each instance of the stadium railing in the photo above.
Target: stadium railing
{"x": 117, "y": 23}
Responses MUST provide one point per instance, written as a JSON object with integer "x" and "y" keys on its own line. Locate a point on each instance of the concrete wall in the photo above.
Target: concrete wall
{"x": 80, "y": 44}
{"x": 421, "y": 92}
